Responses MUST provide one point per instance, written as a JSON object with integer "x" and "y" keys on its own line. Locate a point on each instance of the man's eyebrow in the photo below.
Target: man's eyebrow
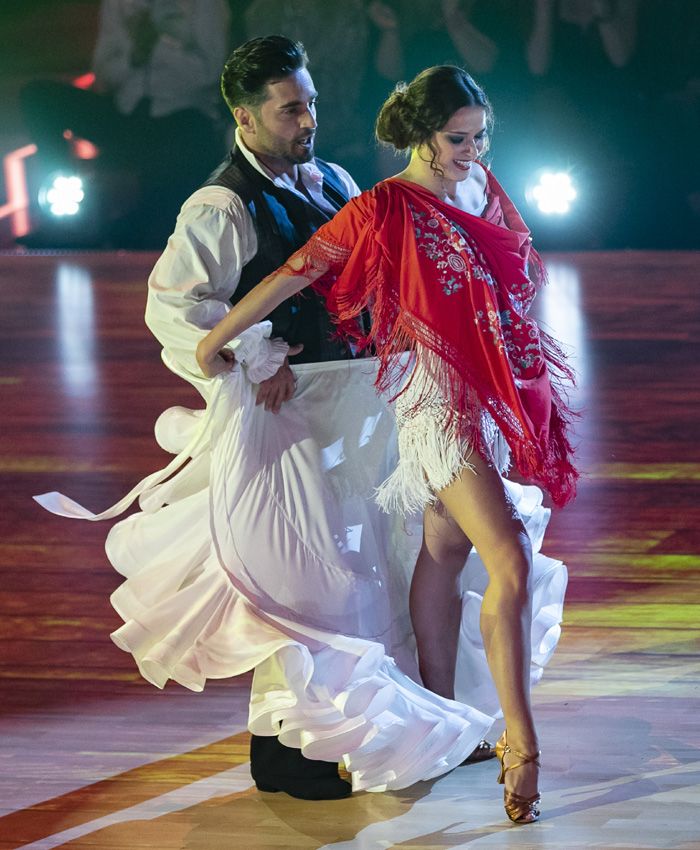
{"x": 291, "y": 103}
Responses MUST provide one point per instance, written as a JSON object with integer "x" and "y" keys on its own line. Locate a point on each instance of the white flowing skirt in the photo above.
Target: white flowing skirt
{"x": 264, "y": 549}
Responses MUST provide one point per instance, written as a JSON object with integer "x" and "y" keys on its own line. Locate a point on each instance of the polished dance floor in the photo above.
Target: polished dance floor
{"x": 92, "y": 757}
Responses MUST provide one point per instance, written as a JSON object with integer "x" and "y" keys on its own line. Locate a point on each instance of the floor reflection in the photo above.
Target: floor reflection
{"x": 76, "y": 330}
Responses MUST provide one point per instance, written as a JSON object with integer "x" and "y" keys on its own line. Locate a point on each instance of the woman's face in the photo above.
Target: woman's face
{"x": 462, "y": 140}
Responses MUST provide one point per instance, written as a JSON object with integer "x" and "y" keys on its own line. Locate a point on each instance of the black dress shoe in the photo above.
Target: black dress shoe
{"x": 333, "y": 788}
{"x": 275, "y": 767}
{"x": 482, "y": 752}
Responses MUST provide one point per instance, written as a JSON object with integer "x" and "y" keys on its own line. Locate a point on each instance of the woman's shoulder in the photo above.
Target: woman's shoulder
{"x": 367, "y": 202}
{"x": 480, "y": 175}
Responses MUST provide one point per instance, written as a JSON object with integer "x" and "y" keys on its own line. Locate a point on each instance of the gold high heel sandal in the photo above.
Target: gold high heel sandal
{"x": 519, "y": 809}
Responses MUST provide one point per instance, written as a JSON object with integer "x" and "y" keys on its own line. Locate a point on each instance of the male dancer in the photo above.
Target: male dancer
{"x": 259, "y": 207}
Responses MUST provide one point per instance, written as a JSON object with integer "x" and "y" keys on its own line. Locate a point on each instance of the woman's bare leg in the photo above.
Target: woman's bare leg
{"x": 481, "y": 508}
{"x": 435, "y": 602}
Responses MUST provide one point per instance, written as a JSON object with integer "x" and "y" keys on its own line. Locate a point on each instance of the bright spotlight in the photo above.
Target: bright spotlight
{"x": 553, "y": 193}
{"x": 62, "y": 195}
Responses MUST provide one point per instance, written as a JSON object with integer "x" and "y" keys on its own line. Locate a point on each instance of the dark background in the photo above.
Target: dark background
{"x": 627, "y": 133}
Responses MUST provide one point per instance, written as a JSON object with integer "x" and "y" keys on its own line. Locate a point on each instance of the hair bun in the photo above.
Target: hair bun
{"x": 413, "y": 112}
{"x": 399, "y": 92}
{"x": 396, "y": 121}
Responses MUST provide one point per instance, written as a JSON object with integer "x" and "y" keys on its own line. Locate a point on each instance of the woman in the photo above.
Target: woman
{"x": 440, "y": 257}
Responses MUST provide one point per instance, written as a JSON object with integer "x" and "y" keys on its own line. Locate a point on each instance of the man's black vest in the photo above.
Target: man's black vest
{"x": 283, "y": 223}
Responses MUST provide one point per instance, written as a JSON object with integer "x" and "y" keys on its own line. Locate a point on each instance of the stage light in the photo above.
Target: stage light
{"x": 62, "y": 195}
{"x": 553, "y": 193}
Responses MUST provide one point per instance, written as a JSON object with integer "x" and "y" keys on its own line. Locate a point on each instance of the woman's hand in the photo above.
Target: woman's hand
{"x": 213, "y": 362}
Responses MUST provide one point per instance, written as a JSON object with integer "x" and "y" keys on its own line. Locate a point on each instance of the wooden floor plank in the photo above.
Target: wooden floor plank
{"x": 93, "y": 757}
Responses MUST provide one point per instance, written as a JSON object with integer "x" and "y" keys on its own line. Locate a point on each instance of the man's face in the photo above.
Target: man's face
{"x": 283, "y": 127}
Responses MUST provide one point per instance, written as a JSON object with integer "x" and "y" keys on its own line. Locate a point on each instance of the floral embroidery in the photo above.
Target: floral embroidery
{"x": 459, "y": 262}
{"x": 456, "y": 263}
{"x": 442, "y": 246}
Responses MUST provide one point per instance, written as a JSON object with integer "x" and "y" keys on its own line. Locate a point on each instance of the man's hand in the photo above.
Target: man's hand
{"x": 274, "y": 391}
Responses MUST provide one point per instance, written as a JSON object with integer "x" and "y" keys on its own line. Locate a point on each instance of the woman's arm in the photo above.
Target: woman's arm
{"x": 329, "y": 249}
{"x": 297, "y": 273}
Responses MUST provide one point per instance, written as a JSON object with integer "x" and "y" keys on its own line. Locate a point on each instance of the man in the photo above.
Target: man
{"x": 262, "y": 204}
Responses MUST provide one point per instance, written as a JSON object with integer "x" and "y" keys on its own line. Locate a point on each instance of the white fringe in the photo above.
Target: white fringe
{"x": 432, "y": 454}
{"x": 431, "y": 458}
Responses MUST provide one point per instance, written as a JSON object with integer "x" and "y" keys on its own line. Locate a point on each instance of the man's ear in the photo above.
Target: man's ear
{"x": 245, "y": 119}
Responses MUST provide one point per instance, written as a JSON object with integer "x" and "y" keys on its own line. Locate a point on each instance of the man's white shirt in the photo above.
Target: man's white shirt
{"x": 190, "y": 287}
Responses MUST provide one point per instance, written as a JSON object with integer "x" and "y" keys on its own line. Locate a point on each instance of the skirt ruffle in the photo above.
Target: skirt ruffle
{"x": 266, "y": 552}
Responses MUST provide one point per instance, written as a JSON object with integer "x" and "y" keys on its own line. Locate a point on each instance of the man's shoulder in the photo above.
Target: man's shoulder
{"x": 351, "y": 188}
{"x": 217, "y": 198}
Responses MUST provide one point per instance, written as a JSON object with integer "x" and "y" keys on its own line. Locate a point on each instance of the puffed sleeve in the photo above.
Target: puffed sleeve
{"x": 190, "y": 287}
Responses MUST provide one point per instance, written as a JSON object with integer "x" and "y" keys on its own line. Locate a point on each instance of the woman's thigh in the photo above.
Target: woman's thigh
{"x": 443, "y": 539}
{"x": 478, "y": 503}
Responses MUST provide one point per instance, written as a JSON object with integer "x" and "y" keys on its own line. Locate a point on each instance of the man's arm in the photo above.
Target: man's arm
{"x": 198, "y": 272}
{"x": 191, "y": 285}
{"x": 351, "y": 188}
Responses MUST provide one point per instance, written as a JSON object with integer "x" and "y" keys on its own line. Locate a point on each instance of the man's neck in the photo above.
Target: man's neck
{"x": 274, "y": 164}
{"x": 277, "y": 166}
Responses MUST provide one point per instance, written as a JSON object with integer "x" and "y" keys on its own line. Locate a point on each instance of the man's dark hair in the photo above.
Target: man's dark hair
{"x": 256, "y": 63}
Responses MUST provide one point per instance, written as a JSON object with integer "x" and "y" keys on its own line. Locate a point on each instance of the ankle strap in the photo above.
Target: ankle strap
{"x": 525, "y": 758}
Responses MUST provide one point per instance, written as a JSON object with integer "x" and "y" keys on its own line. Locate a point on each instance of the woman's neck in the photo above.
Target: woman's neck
{"x": 419, "y": 172}
{"x": 469, "y": 194}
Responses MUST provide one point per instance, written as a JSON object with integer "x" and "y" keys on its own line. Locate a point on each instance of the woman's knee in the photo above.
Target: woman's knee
{"x": 510, "y": 566}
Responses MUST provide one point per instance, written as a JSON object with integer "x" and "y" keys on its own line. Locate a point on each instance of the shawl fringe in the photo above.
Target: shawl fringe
{"x": 370, "y": 278}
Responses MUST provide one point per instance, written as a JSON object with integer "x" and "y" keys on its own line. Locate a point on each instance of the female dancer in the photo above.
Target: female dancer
{"x": 441, "y": 258}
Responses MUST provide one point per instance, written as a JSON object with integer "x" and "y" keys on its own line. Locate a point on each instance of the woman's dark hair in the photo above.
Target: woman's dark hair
{"x": 256, "y": 63}
{"x": 413, "y": 112}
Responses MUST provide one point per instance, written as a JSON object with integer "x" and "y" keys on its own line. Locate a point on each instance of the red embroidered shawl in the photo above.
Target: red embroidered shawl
{"x": 438, "y": 279}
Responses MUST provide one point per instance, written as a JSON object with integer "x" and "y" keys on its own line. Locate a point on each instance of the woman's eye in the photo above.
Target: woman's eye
{"x": 456, "y": 140}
